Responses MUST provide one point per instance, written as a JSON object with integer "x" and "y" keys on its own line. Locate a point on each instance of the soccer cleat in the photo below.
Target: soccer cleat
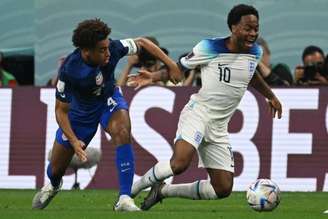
{"x": 125, "y": 203}
{"x": 154, "y": 196}
{"x": 45, "y": 195}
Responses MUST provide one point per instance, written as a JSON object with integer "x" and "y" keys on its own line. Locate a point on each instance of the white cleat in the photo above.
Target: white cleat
{"x": 125, "y": 203}
{"x": 325, "y": 212}
{"x": 45, "y": 195}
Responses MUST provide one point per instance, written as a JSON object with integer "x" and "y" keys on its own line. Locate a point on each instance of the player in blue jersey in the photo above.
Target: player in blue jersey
{"x": 228, "y": 67}
{"x": 86, "y": 96}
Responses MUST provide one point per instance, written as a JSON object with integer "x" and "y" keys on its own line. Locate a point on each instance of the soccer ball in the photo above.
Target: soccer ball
{"x": 263, "y": 195}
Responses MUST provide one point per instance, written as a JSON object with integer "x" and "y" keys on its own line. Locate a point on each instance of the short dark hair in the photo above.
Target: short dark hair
{"x": 89, "y": 32}
{"x": 238, "y": 11}
{"x": 311, "y": 50}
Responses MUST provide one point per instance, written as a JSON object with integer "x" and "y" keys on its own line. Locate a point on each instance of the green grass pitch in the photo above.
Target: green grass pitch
{"x": 98, "y": 204}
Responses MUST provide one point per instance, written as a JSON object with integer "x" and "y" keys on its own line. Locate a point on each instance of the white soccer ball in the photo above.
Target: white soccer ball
{"x": 263, "y": 195}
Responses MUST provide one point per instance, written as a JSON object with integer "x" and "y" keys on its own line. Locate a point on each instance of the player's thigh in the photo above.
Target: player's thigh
{"x": 219, "y": 162}
{"x": 115, "y": 119}
{"x": 183, "y": 153}
{"x": 119, "y": 127}
{"x": 61, "y": 156}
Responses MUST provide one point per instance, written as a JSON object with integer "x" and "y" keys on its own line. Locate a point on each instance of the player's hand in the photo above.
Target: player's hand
{"x": 275, "y": 107}
{"x": 79, "y": 147}
{"x": 175, "y": 73}
{"x": 143, "y": 78}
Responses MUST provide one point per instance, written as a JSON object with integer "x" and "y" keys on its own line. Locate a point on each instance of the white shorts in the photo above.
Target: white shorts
{"x": 214, "y": 151}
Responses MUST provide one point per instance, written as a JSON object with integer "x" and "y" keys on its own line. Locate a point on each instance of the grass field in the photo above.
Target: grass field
{"x": 98, "y": 204}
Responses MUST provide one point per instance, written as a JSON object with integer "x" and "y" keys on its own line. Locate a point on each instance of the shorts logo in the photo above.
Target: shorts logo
{"x": 99, "y": 79}
{"x": 64, "y": 137}
{"x": 198, "y": 137}
{"x": 111, "y": 104}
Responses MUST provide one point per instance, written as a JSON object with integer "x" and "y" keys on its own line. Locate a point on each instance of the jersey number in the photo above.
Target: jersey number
{"x": 224, "y": 74}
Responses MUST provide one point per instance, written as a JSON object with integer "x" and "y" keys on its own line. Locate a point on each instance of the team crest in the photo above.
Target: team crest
{"x": 99, "y": 79}
{"x": 251, "y": 69}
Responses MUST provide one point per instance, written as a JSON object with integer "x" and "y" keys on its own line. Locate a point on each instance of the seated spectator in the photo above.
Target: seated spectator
{"x": 6, "y": 79}
{"x": 325, "y": 67}
{"x": 274, "y": 74}
{"x": 53, "y": 81}
{"x": 144, "y": 61}
{"x": 312, "y": 71}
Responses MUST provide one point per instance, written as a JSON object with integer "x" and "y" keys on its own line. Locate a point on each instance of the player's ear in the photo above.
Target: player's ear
{"x": 234, "y": 28}
{"x": 85, "y": 52}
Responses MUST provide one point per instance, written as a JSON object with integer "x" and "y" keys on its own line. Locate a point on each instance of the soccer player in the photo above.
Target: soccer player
{"x": 86, "y": 95}
{"x": 228, "y": 66}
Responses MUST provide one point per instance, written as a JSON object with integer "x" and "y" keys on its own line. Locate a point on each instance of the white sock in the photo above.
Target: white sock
{"x": 159, "y": 172}
{"x": 201, "y": 189}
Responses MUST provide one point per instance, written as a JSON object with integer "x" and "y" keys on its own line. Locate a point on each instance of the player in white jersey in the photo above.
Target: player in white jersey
{"x": 228, "y": 66}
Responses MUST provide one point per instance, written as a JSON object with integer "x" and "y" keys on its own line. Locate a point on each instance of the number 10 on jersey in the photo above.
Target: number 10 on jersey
{"x": 224, "y": 73}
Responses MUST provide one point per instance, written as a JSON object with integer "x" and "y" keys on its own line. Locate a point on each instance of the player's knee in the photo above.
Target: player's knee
{"x": 222, "y": 190}
{"x": 179, "y": 166}
{"x": 121, "y": 135}
{"x": 57, "y": 172}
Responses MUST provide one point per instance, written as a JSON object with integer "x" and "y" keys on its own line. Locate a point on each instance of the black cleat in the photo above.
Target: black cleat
{"x": 154, "y": 196}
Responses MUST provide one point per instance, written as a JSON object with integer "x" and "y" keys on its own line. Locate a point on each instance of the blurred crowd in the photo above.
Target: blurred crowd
{"x": 312, "y": 71}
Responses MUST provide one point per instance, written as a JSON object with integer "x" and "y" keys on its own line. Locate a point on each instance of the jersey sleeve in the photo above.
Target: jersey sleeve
{"x": 63, "y": 88}
{"x": 201, "y": 54}
{"x": 258, "y": 52}
{"x": 127, "y": 47}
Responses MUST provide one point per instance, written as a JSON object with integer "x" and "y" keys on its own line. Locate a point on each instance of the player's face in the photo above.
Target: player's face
{"x": 246, "y": 32}
{"x": 100, "y": 54}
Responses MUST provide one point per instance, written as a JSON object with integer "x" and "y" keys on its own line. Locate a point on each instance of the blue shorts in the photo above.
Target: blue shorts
{"x": 85, "y": 133}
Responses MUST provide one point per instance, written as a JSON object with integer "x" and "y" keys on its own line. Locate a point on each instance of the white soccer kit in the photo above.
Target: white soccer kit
{"x": 204, "y": 120}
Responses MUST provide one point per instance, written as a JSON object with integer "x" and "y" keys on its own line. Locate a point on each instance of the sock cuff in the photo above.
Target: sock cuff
{"x": 205, "y": 190}
{"x": 162, "y": 170}
{"x": 123, "y": 147}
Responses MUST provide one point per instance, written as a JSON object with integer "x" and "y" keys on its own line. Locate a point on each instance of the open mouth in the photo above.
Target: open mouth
{"x": 249, "y": 43}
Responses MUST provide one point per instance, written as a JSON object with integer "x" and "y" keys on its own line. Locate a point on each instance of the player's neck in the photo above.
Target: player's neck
{"x": 87, "y": 61}
{"x": 232, "y": 45}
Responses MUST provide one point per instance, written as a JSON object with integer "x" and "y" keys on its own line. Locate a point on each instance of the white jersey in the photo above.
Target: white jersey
{"x": 225, "y": 77}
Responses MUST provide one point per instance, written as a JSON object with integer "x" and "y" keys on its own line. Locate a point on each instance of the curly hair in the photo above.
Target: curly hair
{"x": 238, "y": 11}
{"x": 89, "y": 32}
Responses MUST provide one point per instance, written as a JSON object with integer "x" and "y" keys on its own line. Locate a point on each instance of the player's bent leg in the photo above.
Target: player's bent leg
{"x": 221, "y": 181}
{"x": 60, "y": 159}
{"x": 181, "y": 158}
{"x": 183, "y": 153}
{"x": 119, "y": 127}
{"x": 219, "y": 186}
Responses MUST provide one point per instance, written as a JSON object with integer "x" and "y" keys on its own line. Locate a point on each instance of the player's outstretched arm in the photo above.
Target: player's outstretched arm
{"x": 61, "y": 111}
{"x": 144, "y": 78}
{"x": 173, "y": 70}
{"x": 261, "y": 86}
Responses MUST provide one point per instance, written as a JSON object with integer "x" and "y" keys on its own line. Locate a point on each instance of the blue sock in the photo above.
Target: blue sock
{"x": 125, "y": 168}
{"x": 55, "y": 181}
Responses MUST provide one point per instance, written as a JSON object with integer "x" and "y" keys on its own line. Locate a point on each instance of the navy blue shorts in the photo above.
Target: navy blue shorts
{"x": 85, "y": 133}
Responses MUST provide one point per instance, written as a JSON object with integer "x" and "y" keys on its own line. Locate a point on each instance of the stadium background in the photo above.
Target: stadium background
{"x": 46, "y": 26}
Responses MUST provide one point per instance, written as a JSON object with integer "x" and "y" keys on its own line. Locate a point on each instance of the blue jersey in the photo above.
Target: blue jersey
{"x": 87, "y": 88}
